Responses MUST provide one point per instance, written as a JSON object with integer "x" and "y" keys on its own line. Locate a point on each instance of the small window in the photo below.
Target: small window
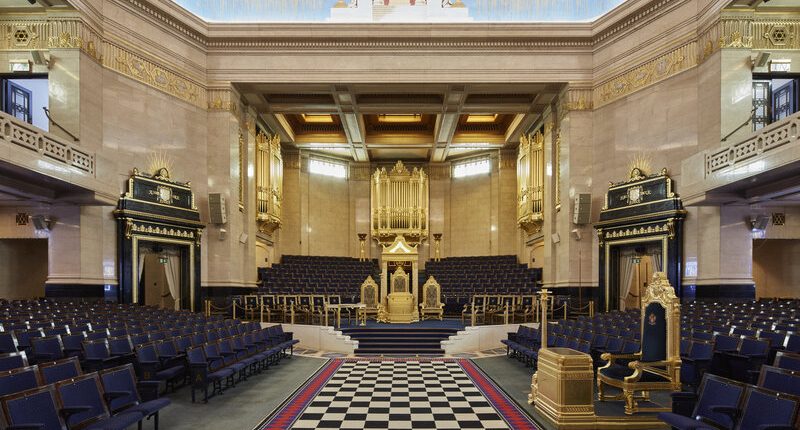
{"x": 327, "y": 168}
{"x": 472, "y": 168}
{"x": 25, "y": 99}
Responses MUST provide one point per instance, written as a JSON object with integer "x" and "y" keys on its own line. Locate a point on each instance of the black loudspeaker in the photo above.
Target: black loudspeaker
{"x": 40, "y": 222}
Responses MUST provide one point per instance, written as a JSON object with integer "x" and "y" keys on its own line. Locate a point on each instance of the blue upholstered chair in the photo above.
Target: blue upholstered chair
{"x": 20, "y": 379}
{"x": 122, "y": 393}
{"x": 8, "y": 342}
{"x": 60, "y": 370}
{"x": 764, "y": 409}
{"x": 47, "y": 348}
{"x": 780, "y": 380}
{"x": 203, "y": 373}
{"x": 787, "y": 360}
{"x": 696, "y": 362}
{"x": 13, "y": 360}
{"x": 73, "y": 343}
{"x": 97, "y": 355}
{"x": 716, "y": 394}
{"x": 33, "y": 409}
{"x": 84, "y": 406}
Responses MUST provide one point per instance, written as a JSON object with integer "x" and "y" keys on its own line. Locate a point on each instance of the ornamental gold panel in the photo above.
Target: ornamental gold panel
{"x": 138, "y": 68}
{"x": 776, "y": 34}
{"x": 530, "y": 183}
{"x": 269, "y": 182}
{"x": 649, "y": 73}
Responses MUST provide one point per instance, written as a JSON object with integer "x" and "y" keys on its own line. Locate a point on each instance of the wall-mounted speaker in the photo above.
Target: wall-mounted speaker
{"x": 243, "y": 238}
{"x": 759, "y": 223}
{"x": 555, "y": 238}
{"x": 40, "y": 222}
{"x": 576, "y": 234}
{"x": 217, "y": 210}
{"x": 582, "y": 210}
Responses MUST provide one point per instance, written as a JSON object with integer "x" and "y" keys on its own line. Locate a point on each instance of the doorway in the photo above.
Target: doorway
{"x": 163, "y": 280}
{"x": 775, "y": 270}
{"x": 24, "y": 269}
{"x": 635, "y": 267}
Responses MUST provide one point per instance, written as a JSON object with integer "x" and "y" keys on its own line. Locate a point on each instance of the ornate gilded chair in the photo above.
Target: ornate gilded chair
{"x": 270, "y": 305}
{"x": 318, "y": 308}
{"x": 304, "y": 307}
{"x": 525, "y": 309}
{"x": 657, "y": 366}
{"x": 431, "y": 300}
{"x": 369, "y": 296}
{"x": 475, "y": 311}
{"x": 252, "y": 307}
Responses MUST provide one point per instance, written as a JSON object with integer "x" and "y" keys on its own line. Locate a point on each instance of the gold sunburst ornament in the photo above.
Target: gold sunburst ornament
{"x": 639, "y": 166}
{"x": 160, "y": 164}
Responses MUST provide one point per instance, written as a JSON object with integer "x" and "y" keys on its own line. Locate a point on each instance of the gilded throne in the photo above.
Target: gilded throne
{"x": 431, "y": 300}
{"x": 656, "y": 367}
{"x": 401, "y": 305}
{"x": 369, "y": 297}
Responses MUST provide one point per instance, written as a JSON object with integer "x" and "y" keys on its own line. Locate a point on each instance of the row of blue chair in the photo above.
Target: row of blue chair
{"x": 59, "y": 396}
{"x": 727, "y": 404}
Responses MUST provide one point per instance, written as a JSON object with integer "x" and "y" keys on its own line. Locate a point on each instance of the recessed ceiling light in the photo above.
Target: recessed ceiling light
{"x": 317, "y": 118}
{"x": 400, "y": 118}
{"x": 481, "y": 118}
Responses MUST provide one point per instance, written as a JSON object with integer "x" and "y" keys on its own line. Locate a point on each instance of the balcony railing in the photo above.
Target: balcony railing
{"x": 24, "y": 136}
{"x": 773, "y": 136}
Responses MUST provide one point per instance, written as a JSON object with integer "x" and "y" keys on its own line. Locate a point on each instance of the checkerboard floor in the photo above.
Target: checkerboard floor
{"x": 400, "y": 395}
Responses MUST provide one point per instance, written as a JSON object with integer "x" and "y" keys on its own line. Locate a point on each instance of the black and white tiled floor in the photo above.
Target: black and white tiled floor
{"x": 400, "y": 395}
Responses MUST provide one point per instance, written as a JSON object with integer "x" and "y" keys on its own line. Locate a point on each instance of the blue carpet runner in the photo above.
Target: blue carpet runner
{"x": 404, "y": 339}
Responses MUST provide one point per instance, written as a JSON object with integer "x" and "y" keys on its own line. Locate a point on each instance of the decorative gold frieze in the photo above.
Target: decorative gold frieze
{"x": 132, "y": 227}
{"x": 776, "y": 34}
{"x": 667, "y": 227}
{"x": 649, "y": 73}
{"x": 222, "y": 100}
{"x": 147, "y": 72}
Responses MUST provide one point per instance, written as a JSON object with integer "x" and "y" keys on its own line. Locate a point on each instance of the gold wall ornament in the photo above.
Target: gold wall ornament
{"x": 159, "y": 164}
{"x": 399, "y": 204}
{"x": 651, "y": 72}
{"x": 149, "y": 73}
{"x": 242, "y": 169}
{"x": 776, "y": 34}
{"x": 557, "y": 165}
{"x": 530, "y": 183}
{"x": 269, "y": 182}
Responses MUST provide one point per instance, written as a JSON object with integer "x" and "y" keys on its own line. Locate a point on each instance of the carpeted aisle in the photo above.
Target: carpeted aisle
{"x": 241, "y": 407}
{"x": 400, "y": 393}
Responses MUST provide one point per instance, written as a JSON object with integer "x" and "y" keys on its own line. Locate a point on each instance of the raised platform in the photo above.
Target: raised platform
{"x": 423, "y": 338}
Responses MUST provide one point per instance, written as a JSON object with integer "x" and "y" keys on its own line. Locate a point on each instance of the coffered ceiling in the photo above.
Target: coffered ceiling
{"x": 380, "y": 122}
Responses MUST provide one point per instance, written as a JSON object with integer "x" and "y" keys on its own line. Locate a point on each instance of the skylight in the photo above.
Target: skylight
{"x": 320, "y": 10}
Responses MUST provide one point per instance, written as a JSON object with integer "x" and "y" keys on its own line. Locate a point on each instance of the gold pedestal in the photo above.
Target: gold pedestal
{"x": 562, "y": 388}
{"x": 401, "y": 308}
